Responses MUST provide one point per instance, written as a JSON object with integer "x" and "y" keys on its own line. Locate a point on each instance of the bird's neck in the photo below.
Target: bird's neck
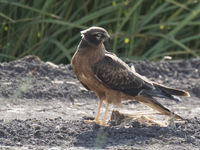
{"x": 85, "y": 45}
{"x": 89, "y": 52}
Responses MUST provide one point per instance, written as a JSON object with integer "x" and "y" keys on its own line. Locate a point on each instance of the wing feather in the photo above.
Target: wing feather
{"x": 117, "y": 75}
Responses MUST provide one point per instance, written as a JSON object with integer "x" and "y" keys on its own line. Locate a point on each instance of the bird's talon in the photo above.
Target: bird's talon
{"x": 97, "y": 122}
{"x": 90, "y": 121}
{"x": 102, "y": 124}
{"x": 93, "y": 121}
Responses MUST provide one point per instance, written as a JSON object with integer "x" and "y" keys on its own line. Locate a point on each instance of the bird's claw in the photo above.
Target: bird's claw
{"x": 97, "y": 122}
{"x": 90, "y": 121}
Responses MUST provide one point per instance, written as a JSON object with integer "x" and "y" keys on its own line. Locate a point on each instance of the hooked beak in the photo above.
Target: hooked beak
{"x": 108, "y": 38}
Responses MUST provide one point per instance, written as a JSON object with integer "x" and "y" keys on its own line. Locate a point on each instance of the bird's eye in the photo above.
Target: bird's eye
{"x": 98, "y": 34}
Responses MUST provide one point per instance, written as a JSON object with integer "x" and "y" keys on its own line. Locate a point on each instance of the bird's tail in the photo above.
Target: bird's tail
{"x": 154, "y": 104}
{"x": 165, "y": 92}
{"x": 171, "y": 91}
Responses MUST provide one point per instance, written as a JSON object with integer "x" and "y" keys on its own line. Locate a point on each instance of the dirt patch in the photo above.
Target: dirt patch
{"x": 42, "y": 106}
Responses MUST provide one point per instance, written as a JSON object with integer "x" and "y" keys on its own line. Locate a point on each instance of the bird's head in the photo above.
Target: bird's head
{"x": 95, "y": 35}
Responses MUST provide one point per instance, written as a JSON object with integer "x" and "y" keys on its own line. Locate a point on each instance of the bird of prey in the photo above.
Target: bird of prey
{"x": 112, "y": 79}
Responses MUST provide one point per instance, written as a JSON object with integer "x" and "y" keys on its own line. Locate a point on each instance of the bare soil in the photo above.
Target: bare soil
{"x": 43, "y": 106}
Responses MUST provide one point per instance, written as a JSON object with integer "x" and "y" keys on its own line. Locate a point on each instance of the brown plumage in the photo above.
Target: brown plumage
{"x": 112, "y": 79}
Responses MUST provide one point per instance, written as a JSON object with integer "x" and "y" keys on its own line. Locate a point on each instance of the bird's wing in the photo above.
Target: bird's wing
{"x": 85, "y": 86}
{"x": 115, "y": 74}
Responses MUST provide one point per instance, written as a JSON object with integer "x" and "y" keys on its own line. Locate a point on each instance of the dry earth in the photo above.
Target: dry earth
{"x": 43, "y": 106}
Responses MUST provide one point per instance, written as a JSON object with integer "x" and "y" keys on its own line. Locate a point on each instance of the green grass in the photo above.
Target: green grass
{"x": 143, "y": 29}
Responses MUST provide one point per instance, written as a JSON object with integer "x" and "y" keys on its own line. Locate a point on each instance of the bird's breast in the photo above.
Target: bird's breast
{"x": 82, "y": 66}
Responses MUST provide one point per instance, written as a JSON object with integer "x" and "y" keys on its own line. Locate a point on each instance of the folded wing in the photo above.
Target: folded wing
{"x": 117, "y": 75}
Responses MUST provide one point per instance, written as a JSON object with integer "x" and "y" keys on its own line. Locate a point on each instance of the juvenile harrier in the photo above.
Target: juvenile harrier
{"x": 112, "y": 79}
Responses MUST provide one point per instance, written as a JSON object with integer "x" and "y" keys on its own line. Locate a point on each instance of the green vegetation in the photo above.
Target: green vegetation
{"x": 141, "y": 29}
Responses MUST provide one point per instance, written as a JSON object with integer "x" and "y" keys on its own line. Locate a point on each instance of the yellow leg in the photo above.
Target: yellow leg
{"x": 98, "y": 110}
{"x": 97, "y": 115}
{"x": 105, "y": 114}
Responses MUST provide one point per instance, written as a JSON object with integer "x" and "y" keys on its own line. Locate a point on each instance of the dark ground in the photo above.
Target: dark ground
{"x": 43, "y": 106}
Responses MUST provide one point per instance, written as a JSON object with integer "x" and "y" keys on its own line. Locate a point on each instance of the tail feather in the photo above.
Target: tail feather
{"x": 146, "y": 97}
{"x": 157, "y": 92}
{"x": 154, "y": 104}
{"x": 171, "y": 91}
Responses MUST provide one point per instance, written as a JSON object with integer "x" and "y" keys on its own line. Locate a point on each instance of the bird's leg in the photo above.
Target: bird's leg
{"x": 97, "y": 115}
{"x": 98, "y": 111}
{"x": 105, "y": 114}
